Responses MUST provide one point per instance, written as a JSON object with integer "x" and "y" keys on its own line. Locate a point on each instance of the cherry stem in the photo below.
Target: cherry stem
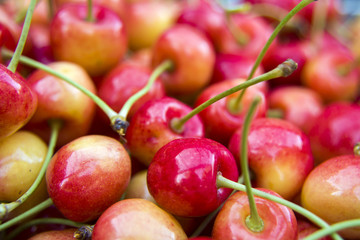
{"x": 6, "y": 208}
{"x": 51, "y": 9}
{"x": 30, "y": 62}
{"x": 276, "y": 31}
{"x": 39, "y": 221}
{"x": 38, "y": 208}
{"x": 211, "y": 216}
{"x": 275, "y": 113}
{"x": 90, "y": 15}
{"x": 164, "y": 66}
{"x": 253, "y": 221}
{"x": 282, "y": 70}
{"x": 226, "y": 183}
{"x": 84, "y": 232}
{"x": 333, "y": 229}
{"x": 24, "y": 33}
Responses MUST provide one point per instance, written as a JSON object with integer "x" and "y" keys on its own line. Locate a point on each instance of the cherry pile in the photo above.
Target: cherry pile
{"x": 172, "y": 119}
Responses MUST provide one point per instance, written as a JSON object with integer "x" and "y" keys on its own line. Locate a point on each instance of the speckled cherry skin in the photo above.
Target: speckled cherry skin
{"x": 18, "y": 102}
{"x": 150, "y": 128}
{"x": 220, "y": 123}
{"x": 137, "y": 219}
{"x": 182, "y": 176}
{"x": 97, "y": 45}
{"x": 279, "y": 154}
{"x": 88, "y": 175}
{"x": 279, "y": 221}
{"x": 193, "y": 57}
{"x": 335, "y": 131}
{"x": 331, "y": 191}
{"x": 65, "y": 234}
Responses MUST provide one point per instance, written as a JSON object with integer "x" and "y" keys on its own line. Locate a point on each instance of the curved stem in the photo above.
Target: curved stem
{"x": 30, "y": 62}
{"x": 282, "y": 70}
{"x": 55, "y": 126}
{"x": 90, "y": 15}
{"x": 318, "y": 22}
{"x": 226, "y": 183}
{"x": 39, "y": 221}
{"x": 22, "y": 40}
{"x": 276, "y": 31}
{"x": 333, "y": 229}
{"x": 166, "y": 65}
{"x": 38, "y": 208}
{"x": 253, "y": 221}
{"x": 211, "y": 216}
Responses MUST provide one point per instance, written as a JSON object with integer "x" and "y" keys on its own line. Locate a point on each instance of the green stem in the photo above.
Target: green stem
{"x": 51, "y": 9}
{"x": 38, "y": 208}
{"x": 22, "y": 40}
{"x": 226, "y": 183}
{"x": 282, "y": 70}
{"x": 55, "y": 126}
{"x": 318, "y": 22}
{"x": 166, "y": 65}
{"x": 211, "y": 216}
{"x": 90, "y": 15}
{"x": 30, "y": 62}
{"x": 253, "y": 221}
{"x": 39, "y": 221}
{"x": 333, "y": 229}
{"x": 276, "y": 31}
{"x": 357, "y": 149}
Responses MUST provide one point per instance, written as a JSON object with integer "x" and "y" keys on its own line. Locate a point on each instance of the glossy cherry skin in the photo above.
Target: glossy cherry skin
{"x": 279, "y": 221}
{"x": 330, "y": 83}
{"x": 331, "y": 191}
{"x": 192, "y": 55}
{"x": 298, "y": 104}
{"x": 219, "y": 120}
{"x": 150, "y": 128}
{"x": 279, "y": 154}
{"x": 229, "y": 66}
{"x": 18, "y": 102}
{"x": 335, "y": 131}
{"x": 59, "y": 100}
{"x": 96, "y": 46}
{"x": 88, "y": 175}
{"x": 182, "y": 176}
{"x": 123, "y": 81}
{"x": 137, "y": 219}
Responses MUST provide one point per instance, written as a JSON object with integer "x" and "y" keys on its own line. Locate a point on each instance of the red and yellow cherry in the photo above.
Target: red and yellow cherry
{"x": 279, "y": 154}
{"x": 230, "y": 223}
{"x": 21, "y": 157}
{"x": 331, "y": 191}
{"x": 297, "y": 104}
{"x": 143, "y": 31}
{"x": 137, "y": 219}
{"x": 223, "y": 118}
{"x": 18, "y": 102}
{"x": 335, "y": 82}
{"x": 150, "y": 127}
{"x": 182, "y": 176}
{"x": 96, "y": 45}
{"x": 137, "y": 187}
{"x": 305, "y": 228}
{"x": 192, "y": 56}
{"x": 60, "y": 100}
{"x": 335, "y": 131}
{"x": 88, "y": 175}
